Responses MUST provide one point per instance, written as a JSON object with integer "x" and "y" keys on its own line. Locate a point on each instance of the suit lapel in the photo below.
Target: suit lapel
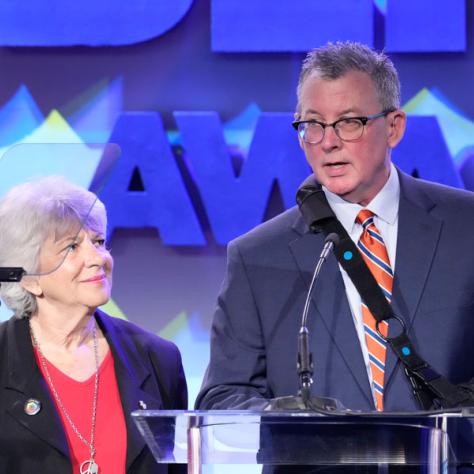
{"x": 417, "y": 242}
{"x": 330, "y": 301}
{"x": 24, "y": 381}
{"x": 132, "y": 376}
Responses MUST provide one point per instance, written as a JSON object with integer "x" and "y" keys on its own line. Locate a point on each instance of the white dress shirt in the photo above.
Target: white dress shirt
{"x": 385, "y": 207}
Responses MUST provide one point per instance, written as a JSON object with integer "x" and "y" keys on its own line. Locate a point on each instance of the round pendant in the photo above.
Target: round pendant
{"x": 89, "y": 467}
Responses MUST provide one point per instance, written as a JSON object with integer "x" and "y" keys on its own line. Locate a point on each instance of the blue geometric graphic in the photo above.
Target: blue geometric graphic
{"x": 51, "y": 148}
{"x": 457, "y": 129}
{"x": 19, "y": 117}
{"x": 429, "y": 157}
{"x": 232, "y": 167}
{"x": 93, "y": 113}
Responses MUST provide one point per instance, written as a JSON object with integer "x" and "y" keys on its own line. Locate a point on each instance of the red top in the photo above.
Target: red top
{"x": 110, "y": 430}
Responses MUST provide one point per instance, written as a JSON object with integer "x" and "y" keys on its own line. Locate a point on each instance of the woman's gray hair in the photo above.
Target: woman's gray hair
{"x": 32, "y": 212}
{"x": 334, "y": 60}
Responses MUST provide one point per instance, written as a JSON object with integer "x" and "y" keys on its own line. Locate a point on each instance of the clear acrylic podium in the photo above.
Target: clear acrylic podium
{"x": 433, "y": 442}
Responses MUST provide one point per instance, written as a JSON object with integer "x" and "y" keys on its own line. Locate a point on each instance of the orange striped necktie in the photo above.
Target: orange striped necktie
{"x": 374, "y": 253}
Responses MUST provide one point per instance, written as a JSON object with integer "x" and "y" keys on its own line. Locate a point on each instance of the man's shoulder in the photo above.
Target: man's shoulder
{"x": 438, "y": 194}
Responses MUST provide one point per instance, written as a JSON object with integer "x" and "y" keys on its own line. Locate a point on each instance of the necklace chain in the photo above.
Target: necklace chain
{"x": 89, "y": 444}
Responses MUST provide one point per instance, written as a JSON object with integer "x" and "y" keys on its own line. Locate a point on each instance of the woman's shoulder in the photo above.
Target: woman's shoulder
{"x": 12, "y": 326}
{"x": 128, "y": 332}
{"x": 136, "y": 347}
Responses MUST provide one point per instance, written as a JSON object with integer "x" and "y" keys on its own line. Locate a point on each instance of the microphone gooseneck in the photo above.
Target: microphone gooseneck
{"x": 331, "y": 241}
{"x": 305, "y": 358}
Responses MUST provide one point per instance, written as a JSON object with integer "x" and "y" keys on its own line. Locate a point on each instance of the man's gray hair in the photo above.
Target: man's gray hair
{"x": 334, "y": 60}
{"x": 32, "y": 212}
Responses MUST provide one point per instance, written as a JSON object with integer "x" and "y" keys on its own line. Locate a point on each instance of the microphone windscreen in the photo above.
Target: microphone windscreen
{"x": 334, "y": 238}
{"x": 313, "y": 206}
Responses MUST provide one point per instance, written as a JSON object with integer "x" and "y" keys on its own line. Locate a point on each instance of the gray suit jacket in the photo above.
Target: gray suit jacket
{"x": 254, "y": 332}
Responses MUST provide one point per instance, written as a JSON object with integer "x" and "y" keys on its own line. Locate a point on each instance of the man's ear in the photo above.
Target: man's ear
{"x": 396, "y": 127}
{"x": 32, "y": 285}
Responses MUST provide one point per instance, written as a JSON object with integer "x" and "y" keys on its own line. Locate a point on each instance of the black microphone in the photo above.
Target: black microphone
{"x": 11, "y": 274}
{"x": 313, "y": 204}
{"x": 305, "y": 357}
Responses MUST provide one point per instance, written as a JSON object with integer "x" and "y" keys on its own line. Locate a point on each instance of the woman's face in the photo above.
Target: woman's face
{"x": 83, "y": 279}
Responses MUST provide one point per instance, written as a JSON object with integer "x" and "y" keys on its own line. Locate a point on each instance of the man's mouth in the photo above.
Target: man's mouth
{"x": 336, "y": 169}
{"x": 336, "y": 164}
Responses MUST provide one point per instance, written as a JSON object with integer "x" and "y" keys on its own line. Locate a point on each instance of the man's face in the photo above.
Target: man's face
{"x": 356, "y": 170}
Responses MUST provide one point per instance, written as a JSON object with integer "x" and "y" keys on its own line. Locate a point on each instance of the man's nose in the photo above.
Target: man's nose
{"x": 330, "y": 139}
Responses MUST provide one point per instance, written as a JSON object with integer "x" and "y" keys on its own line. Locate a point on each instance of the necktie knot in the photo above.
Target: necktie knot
{"x": 365, "y": 218}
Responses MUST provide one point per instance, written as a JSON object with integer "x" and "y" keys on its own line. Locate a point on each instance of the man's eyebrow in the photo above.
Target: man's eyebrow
{"x": 312, "y": 111}
{"x": 350, "y": 110}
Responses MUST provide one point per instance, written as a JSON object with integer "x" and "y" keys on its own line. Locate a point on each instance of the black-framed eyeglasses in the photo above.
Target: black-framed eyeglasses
{"x": 347, "y": 128}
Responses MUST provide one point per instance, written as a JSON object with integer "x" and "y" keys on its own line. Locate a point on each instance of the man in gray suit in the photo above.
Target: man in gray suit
{"x": 348, "y": 119}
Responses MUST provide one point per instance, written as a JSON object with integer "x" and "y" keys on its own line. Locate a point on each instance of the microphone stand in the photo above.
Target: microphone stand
{"x": 304, "y": 400}
{"x": 305, "y": 357}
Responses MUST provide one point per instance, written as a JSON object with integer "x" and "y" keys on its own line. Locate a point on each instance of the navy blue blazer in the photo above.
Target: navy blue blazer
{"x": 147, "y": 368}
{"x": 254, "y": 331}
